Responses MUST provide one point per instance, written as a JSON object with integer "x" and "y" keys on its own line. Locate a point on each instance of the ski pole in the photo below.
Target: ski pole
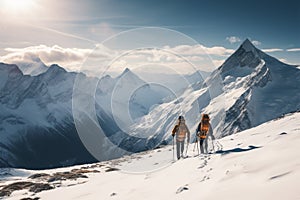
{"x": 195, "y": 144}
{"x": 187, "y": 146}
{"x": 173, "y": 151}
{"x": 198, "y": 148}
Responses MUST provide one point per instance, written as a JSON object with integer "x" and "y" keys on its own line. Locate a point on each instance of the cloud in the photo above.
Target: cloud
{"x": 272, "y": 50}
{"x": 256, "y": 43}
{"x": 289, "y": 62}
{"x": 218, "y": 62}
{"x": 70, "y": 58}
{"x": 283, "y": 60}
{"x": 233, "y": 39}
{"x": 96, "y": 60}
{"x": 201, "y": 50}
{"x": 293, "y": 50}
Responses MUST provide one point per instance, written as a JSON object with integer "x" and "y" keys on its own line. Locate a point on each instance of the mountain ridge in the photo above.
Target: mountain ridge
{"x": 37, "y": 113}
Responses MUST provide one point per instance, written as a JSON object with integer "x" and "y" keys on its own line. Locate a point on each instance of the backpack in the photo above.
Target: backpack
{"x": 175, "y": 129}
{"x": 181, "y": 132}
{"x": 204, "y": 128}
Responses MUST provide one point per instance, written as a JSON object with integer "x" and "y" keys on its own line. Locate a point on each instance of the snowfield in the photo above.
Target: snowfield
{"x": 259, "y": 163}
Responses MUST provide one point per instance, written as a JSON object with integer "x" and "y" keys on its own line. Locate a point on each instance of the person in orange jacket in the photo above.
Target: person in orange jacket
{"x": 203, "y": 131}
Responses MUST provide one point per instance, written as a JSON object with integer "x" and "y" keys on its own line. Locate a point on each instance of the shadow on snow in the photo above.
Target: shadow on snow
{"x": 236, "y": 150}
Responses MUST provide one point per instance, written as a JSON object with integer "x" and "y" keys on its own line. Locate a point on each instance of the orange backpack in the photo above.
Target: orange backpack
{"x": 204, "y": 126}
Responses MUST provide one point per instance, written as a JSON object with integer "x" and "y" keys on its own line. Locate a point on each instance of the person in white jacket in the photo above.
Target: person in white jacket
{"x": 182, "y": 132}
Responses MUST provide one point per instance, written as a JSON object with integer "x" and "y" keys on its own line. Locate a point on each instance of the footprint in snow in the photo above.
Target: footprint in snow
{"x": 210, "y": 169}
{"x": 203, "y": 164}
{"x": 181, "y": 189}
{"x": 147, "y": 176}
{"x": 113, "y": 194}
{"x": 204, "y": 178}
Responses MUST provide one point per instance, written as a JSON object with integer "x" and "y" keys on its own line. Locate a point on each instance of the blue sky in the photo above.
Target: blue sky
{"x": 211, "y": 21}
{"x": 206, "y": 21}
{"x": 82, "y": 23}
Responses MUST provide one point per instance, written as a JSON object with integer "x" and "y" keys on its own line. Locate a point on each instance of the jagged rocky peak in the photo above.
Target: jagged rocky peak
{"x": 126, "y": 72}
{"x": 9, "y": 72}
{"x": 10, "y": 69}
{"x": 248, "y": 46}
{"x": 55, "y": 69}
{"x": 32, "y": 65}
{"x": 107, "y": 76}
{"x": 55, "y": 74}
{"x": 246, "y": 56}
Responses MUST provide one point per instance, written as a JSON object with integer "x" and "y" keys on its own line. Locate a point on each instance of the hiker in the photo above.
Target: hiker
{"x": 204, "y": 130}
{"x": 181, "y": 131}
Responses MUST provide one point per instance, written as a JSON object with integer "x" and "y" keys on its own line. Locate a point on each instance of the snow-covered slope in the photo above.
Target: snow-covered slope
{"x": 127, "y": 97}
{"x": 147, "y": 97}
{"x": 259, "y": 163}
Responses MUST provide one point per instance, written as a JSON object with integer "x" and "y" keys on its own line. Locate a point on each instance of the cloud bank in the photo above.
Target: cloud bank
{"x": 73, "y": 58}
{"x": 233, "y": 39}
{"x": 70, "y": 58}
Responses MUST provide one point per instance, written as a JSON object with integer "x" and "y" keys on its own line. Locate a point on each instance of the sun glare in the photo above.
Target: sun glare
{"x": 18, "y": 5}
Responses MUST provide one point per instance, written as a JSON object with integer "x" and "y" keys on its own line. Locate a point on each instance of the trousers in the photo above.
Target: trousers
{"x": 203, "y": 145}
{"x": 179, "y": 148}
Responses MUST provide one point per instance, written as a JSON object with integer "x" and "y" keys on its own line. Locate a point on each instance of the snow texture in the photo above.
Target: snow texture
{"x": 259, "y": 163}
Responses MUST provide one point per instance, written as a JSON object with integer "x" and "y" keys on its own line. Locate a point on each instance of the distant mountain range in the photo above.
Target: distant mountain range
{"x": 37, "y": 128}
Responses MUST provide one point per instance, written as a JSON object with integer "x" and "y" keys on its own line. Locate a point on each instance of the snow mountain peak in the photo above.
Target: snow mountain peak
{"x": 55, "y": 69}
{"x": 247, "y": 45}
{"x": 244, "y": 60}
{"x": 127, "y": 72}
{"x": 127, "y": 75}
{"x": 10, "y": 68}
